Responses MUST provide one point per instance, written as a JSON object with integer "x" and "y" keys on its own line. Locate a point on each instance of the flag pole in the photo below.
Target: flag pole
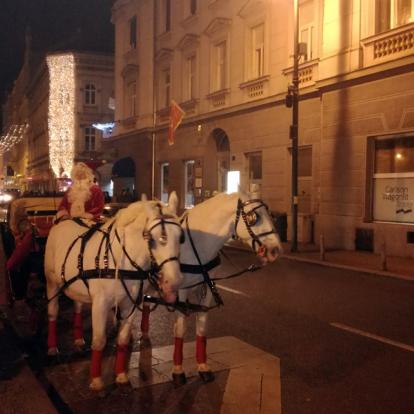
{"x": 154, "y": 100}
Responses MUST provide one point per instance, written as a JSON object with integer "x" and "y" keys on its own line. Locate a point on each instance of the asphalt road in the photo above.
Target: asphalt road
{"x": 345, "y": 339}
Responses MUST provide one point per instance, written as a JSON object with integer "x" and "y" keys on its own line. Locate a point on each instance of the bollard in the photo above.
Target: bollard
{"x": 322, "y": 247}
{"x": 383, "y": 257}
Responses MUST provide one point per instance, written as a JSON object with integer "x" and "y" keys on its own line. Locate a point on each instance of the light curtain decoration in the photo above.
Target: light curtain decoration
{"x": 12, "y": 137}
{"x": 61, "y": 116}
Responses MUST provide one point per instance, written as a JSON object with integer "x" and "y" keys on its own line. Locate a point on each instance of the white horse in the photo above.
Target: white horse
{"x": 207, "y": 227}
{"x": 107, "y": 267}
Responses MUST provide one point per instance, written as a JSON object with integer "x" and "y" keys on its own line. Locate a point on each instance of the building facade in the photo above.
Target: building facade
{"x": 59, "y": 97}
{"x": 228, "y": 63}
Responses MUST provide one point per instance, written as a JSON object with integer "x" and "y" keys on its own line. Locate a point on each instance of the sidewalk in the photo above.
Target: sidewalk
{"x": 398, "y": 267}
{"x": 360, "y": 261}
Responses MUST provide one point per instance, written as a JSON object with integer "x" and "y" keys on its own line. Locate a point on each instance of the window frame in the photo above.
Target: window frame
{"x": 187, "y": 195}
{"x": 378, "y": 213}
{"x": 393, "y": 16}
{"x": 89, "y": 138}
{"x": 133, "y": 32}
{"x": 89, "y": 95}
{"x": 164, "y": 194}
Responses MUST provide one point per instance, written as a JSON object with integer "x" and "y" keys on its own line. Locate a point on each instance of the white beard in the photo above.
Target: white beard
{"x": 78, "y": 194}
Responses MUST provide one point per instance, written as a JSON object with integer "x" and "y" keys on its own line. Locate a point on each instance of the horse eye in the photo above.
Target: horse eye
{"x": 252, "y": 218}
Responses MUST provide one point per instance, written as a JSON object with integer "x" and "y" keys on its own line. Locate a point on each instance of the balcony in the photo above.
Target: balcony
{"x": 218, "y": 98}
{"x": 308, "y": 73}
{"x": 388, "y": 46}
{"x": 255, "y": 88}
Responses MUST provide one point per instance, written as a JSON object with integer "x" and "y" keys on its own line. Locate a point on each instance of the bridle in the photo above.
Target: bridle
{"x": 163, "y": 219}
{"x": 250, "y": 219}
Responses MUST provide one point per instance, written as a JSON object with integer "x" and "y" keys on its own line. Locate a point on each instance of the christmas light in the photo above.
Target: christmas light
{"x": 12, "y": 137}
{"x": 61, "y": 115}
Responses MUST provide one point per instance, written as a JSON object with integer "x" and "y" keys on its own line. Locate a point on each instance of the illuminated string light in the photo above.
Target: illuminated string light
{"x": 61, "y": 115}
{"x": 13, "y": 136}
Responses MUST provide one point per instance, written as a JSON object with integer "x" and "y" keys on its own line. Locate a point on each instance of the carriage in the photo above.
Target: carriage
{"x": 33, "y": 216}
{"x": 141, "y": 236}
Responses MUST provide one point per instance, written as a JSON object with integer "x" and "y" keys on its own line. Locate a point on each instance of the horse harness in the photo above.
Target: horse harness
{"x": 250, "y": 218}
{"x": 111, "y": 273}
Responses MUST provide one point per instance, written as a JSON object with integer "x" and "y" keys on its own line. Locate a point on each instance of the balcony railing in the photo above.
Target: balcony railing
{"x": 390, "y": 45}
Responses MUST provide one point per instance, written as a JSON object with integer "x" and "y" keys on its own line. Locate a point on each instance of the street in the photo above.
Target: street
{"x": 344, "y": 341}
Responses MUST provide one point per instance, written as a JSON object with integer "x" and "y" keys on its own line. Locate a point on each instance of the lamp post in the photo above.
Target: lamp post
{"x": 294, "y": 94}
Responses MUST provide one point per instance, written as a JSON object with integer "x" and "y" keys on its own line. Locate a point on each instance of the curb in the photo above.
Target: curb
{"x": 375, "y": 272}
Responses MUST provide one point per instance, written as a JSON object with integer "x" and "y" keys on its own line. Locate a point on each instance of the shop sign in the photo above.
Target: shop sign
{"x": 394, "y": 199}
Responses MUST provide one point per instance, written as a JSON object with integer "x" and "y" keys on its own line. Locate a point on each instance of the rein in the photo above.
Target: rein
{"x": 138, "y": 274}
{"x": 249, "y": 218}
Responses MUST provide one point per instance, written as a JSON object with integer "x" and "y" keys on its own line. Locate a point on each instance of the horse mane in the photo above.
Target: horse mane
{"x": 129, "y": 214}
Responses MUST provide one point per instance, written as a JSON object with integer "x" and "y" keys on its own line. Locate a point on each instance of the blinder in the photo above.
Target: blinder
{"x": 252, "y": 218}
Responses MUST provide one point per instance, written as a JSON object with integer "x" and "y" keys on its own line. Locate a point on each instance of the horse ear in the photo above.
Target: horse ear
{"x": 173, "y": 202}
{"x": 144, "y": 197}
{"x": 243, "y": 195}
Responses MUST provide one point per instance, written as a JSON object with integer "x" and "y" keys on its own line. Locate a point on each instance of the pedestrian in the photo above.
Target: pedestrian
{"x": 84, "y": 198}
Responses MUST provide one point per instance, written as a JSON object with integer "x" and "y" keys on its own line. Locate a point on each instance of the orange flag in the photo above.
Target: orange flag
{"x": 176, "y": 116}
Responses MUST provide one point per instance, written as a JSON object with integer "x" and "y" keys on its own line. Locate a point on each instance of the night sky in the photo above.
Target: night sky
{"x": 54, "y": 25}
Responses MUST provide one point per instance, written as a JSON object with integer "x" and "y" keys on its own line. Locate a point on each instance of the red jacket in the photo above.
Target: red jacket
{"x": 25, "y": 244}
{"x": 94, "y": 205}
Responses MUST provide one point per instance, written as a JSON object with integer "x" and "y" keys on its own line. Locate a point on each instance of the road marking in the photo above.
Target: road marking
{"x": 382, "y": 339}
{"x": 237, "y": 292}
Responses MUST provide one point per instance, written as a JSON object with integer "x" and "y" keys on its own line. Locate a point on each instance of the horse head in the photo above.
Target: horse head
{"x": 254, "y": 225}
{"x": 164, "y": 235}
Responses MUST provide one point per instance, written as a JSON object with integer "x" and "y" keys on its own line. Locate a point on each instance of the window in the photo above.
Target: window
{"x": 131, "y": 99}
{"x": 90, "y": 94}
{"x": 258, "y": 51}
{"x": 254, "y": 165}
{"x": 220, "y": 66}
{"x": 393, "y": 179}
{"x": 307, "y": 32}
{"x": 165, "y": 168}
{"x": 392, "y": 13}
{"x": 307, "y": 36}
{"x": 89, "y": 138}
{"x": 193, "y": 7}
{"x": 189, "y": 183}
{"x": 133, "y": 33}
{"x": 167, "y": 5}
{"x": 165, "y": 88}
{"x": 190, "y": 78}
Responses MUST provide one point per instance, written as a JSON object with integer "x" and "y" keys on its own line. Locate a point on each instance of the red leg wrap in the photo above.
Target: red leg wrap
{"x": 77, "y": 326}
{"x": 121, "y": 358}
{"x": 178, "y": 351}
{"x": 52, "y": 335}
{"x": 96, "y": 363}
{"x": 145, "y": 319}
{"x": 201, "y": 349}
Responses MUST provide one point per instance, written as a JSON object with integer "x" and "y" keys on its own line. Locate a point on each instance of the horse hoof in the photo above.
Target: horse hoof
{"x": 122, "y": 378}
{"x": 179, "y": 379}
{"x": 206, "y": 376}
{"x": 96, "y": 384}
{"x": 52, "y": 351}
{"x": 79, "y": 343}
